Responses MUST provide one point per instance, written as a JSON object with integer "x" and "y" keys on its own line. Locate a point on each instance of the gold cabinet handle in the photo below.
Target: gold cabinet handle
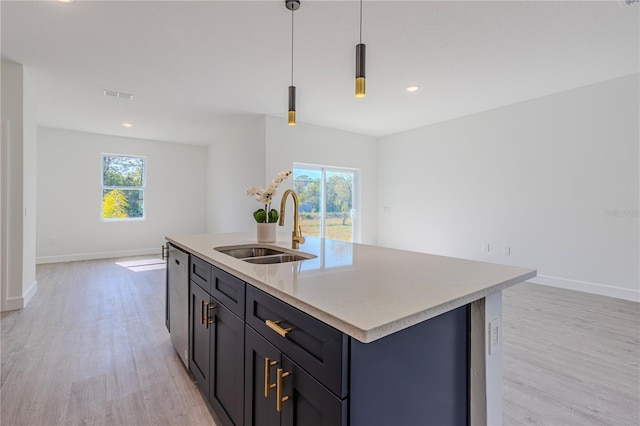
{"x": 163, "y": 252}
{"x": 267, "y": 367}
{"x": 209, "y": 321}
{"x": 275, "y": 327}
{"x": 202, "y": 302}
{"x": 279, "y": 398}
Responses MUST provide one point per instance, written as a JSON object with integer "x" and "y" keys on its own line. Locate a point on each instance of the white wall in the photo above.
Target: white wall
{"x": 70, "y": 195}
{"x": 307, "y": 143}
{"x": 29, "y": 183}
{"x": 235, "y": 163}
{"x": 539, "y": 177}
{"x": 18, "y": 277}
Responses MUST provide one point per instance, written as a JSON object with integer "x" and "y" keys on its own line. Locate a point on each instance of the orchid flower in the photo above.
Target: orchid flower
{"x": 265, "y": 196}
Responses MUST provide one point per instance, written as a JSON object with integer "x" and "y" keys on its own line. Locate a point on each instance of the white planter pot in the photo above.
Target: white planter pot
{"x": 266, "y": 232}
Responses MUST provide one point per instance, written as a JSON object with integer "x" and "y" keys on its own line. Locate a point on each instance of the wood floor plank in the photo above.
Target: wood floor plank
{"x": 91, "y": 348}
{"x": 569, "y": 358}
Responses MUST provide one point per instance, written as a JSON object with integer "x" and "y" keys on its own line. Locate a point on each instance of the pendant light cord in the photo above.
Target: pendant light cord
{"x": 360, "y": 21}
{"x": 292, "y": 47}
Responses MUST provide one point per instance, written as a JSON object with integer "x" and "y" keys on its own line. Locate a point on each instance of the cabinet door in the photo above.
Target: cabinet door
{"x": 260, "y": 410}
{"x": 309, "y": 403}
{"x": 199, "y": 337}
{"x": 226, "y": 391}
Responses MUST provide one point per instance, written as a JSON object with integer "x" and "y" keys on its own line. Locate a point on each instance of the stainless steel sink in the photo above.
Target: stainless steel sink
{"x": 263, "y": 254}
{"x": 244, "y": 252}
{"x": 279, "y": 258}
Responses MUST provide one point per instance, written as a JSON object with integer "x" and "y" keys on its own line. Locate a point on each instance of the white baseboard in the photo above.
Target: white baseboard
{"x": 97, "y": 255}
{"x": 587, "y": 287}
{"x": 30, "y": 292}
{"x": 14, "y": 303}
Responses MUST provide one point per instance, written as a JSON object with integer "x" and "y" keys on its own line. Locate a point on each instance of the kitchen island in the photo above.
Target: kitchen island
{"x": 358, "y": 335}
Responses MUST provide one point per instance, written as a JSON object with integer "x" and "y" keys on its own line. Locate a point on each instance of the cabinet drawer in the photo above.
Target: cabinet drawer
{"x": 229, "y": 290}
{"x": 200, "y": 272}
{"x": 318, "y": 348}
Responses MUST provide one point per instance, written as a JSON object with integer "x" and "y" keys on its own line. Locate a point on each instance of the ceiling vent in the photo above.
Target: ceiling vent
{"x": 119, "y": 95}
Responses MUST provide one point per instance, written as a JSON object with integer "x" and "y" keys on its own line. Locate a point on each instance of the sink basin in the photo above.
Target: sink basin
{"x": 264, "y": 255}
{"x": 279, "y": 258}
{"x": 244, "y": 252}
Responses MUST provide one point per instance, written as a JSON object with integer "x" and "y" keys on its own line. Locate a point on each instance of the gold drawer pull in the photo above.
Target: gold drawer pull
{"x": 279, "y": 398}
{"x": 267, "y": 367}
{"x": 210, "y": 307}
{"x": 275, "y": 327}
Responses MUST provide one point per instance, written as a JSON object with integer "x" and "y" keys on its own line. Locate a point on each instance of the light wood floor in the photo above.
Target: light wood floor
{"x": 570, "y": 358}
{"x": 91, "y": 348}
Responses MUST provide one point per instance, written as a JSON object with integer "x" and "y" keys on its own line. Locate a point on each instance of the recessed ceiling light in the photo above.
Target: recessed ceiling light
{"x": 413, "y": 88}
{"x": 65, "y": 1}
{"x": 119, "y": 95}
{"x": 127, "y": 124}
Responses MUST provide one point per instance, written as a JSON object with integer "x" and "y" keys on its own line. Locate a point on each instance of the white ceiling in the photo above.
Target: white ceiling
{"x": 194, "y": 66}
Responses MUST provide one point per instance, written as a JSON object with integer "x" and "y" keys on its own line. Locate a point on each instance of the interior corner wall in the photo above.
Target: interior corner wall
{"x": 69, "y": 225}
{"x": 11, "y": 75}
{"x": 18, "y": 224}
{"x": 554, "y": 179}
{"x": 312, "y": 144}
{"x": 29, "y": 185}
{"x": 235, "y": 162}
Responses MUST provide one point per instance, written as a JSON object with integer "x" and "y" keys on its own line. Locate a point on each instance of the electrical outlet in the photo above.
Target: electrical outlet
{"x": 507, "y": 251}
{"x": 495, "y": 331}
{"x": 486, "y": 248}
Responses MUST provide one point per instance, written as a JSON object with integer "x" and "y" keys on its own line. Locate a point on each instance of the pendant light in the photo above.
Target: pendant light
{"x": 361, "y": 90}
{"x": 292, "y": 5}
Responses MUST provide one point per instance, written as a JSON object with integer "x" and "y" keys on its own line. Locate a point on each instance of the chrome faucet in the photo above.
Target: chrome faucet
{"x": 296, "y": 235}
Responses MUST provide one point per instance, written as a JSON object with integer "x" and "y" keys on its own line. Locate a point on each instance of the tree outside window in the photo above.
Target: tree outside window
{"x": 123, "y": 184}
{"x": 327, "y": 197}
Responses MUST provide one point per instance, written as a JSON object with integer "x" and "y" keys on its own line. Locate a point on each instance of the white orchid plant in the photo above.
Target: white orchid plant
{"x": 265, "y": 196}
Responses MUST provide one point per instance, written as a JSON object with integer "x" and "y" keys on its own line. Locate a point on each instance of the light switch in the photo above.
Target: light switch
{"x": 494, "y": 336}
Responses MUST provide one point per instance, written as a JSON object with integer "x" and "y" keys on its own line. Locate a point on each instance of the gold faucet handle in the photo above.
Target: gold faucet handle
{"x": 299, "y": 238}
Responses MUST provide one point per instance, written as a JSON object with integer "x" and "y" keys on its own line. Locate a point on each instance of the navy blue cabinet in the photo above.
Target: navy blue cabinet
{"x": 199, "y": 348}
{"x": 278, "y": 392}
{"x": 226, "y": 387}
{"x": 263, "y": 362}
{"x": 216, "y": 350}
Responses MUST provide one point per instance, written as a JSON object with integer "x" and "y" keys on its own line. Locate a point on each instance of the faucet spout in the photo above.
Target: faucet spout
{"x": 296, "y": 235}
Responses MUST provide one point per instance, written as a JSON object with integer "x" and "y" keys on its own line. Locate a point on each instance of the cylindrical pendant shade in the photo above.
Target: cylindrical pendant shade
{"x": 292, "y": 105}
{"x": 360, "y": 70}
{"x": 361, "y": 89}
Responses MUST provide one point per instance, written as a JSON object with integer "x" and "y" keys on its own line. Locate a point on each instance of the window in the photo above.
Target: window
{"x": 123, "y": 182}
{"x": 328, "y": 201}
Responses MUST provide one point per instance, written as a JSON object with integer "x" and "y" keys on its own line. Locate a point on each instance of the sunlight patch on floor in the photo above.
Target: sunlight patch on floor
{"x": 143, "y": 265}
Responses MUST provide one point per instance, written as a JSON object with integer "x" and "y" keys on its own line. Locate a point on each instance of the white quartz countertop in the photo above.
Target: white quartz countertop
{"x": 367, "y": 292}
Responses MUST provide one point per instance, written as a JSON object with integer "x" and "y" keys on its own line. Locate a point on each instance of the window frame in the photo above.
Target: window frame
{"x": 323, "y": 169}
{"x": 126, "y": 188}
